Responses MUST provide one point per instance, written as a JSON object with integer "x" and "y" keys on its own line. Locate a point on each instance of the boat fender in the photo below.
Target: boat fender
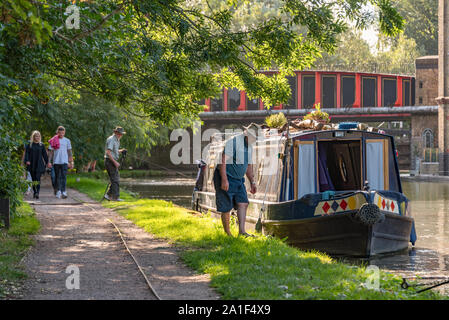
{"x": 369, "y": 214}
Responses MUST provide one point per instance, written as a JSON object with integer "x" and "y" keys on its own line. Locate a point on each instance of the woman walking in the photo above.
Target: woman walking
{"x": 36, "y": 160}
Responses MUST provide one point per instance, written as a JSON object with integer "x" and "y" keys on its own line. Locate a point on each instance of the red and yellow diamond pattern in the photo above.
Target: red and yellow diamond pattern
{"x": 334, "y": 206}
{"x": 386, "y": 204}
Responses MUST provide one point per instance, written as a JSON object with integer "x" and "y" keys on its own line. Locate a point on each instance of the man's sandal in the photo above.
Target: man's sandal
{"x": 247, "y": 235}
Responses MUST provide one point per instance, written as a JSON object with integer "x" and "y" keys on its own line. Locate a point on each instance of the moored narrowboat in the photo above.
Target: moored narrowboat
{"x": 335, "y": 189}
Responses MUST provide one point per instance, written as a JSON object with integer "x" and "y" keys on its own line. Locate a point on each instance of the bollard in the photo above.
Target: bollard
{"x": 4, "y": 211}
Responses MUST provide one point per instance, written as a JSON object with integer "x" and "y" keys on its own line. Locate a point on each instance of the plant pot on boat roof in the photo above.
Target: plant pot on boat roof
{"x": 318, "y": 115}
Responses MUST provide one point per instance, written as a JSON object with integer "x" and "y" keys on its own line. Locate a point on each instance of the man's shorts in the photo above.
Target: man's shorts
{"x": 226, "y": 200}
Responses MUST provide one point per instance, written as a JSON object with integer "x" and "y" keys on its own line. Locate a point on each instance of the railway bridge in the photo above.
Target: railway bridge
{"x": 414, "y": 127}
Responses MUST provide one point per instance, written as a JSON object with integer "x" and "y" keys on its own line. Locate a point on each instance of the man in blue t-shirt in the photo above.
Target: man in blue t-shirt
{"x": 229, "y": 181}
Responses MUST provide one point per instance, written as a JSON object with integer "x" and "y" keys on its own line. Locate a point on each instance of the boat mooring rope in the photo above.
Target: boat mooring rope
{"x": 431, "y": 285}
{"x": 126, "y": 247}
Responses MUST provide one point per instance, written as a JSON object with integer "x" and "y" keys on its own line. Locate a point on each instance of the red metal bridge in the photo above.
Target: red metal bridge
{"x": 330, "y": 89}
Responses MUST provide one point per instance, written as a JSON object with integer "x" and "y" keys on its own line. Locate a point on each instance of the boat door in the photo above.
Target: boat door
{"x": 377, "y": 170}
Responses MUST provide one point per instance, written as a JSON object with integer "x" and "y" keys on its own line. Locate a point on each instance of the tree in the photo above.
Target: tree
{"x": 158, "y": 58}
{"x": 399, "y": 57}
{"x": 421, "y": 23}
{"x": 91, "y": 120}
{"x": 352, "y": 54}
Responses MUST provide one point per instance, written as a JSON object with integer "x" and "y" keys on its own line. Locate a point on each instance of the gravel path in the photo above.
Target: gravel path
{"x": 75, "y": 235}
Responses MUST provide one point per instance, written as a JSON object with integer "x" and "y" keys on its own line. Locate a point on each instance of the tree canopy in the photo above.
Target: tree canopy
{"x": 156, "y": 59}
{"x": 421, "y": 23}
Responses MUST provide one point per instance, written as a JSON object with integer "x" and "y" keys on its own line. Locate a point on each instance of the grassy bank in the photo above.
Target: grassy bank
{"x": 258, "y": 268}
{"x": 13, "y": 245}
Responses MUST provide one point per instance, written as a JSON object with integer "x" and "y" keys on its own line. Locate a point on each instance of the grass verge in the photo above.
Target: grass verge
{"x": 13, "y": 245}
{"x": 257, "y": 268}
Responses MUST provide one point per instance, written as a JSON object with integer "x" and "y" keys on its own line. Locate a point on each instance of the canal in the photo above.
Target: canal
{"x": 430, "y": 208}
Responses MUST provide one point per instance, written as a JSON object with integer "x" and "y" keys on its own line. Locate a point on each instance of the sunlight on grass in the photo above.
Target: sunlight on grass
{"x": 252, "y": 268}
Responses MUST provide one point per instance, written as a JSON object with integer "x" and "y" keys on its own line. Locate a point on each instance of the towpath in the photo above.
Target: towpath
{"x": 76, "y": 236}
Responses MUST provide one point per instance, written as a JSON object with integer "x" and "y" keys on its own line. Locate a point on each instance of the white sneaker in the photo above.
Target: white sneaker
{"x": 64, "y": 195}
{"x": 107, "y": 197}
{"x": 58, "y": 194}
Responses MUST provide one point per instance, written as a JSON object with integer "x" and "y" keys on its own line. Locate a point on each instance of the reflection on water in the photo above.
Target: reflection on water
{"x": 430, "y": 209}
{"x": 176, "y": 190}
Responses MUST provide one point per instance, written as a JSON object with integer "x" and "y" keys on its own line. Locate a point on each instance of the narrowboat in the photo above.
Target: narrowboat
{"x": 335, "y": 189}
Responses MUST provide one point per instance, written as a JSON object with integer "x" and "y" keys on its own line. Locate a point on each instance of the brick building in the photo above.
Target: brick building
{"x": 426, "y": 80}
{"x": 424, "y": 141}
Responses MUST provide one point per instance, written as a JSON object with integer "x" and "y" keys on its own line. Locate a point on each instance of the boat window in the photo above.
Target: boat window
{"x": 339, "y": 165}
{"x": 377, "y": 172}
{"x": 304, "y": 167}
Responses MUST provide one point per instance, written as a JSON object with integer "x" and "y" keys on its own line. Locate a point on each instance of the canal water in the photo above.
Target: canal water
{"x": 430, "y": 209}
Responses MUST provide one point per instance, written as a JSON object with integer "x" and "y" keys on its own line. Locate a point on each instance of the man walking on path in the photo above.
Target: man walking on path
{"x": 229, "y": 181}
{"x": 62, "y": 159}
{"x": 111, "y": 156}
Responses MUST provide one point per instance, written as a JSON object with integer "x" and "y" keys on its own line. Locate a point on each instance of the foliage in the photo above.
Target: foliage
{"x": 152, "y": 59}
{"x": 89, "y": 120}
{"x": 155, "y": 54}
{"x": 317, "y": 114}
{"x": 235, "y": 264}
{"x": 277, "y": 120}
{"x": 421, "y": 23}
{"x": 12, "y": 113}
{"x": 353, "y": 54}
{"x": 13, "y": 245}
{"x": 395, "y": 55}
{"x": 400, "y": 55}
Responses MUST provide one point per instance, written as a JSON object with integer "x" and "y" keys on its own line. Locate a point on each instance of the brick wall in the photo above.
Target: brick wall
{"x": 426, "y": 81}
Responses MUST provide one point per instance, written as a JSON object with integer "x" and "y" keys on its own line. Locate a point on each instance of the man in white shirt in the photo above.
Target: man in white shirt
{"x": 62, "y": 160}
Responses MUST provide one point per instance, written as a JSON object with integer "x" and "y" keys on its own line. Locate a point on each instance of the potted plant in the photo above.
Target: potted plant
{"x": 277, "y": 120}
{"x": 318, "y": 115}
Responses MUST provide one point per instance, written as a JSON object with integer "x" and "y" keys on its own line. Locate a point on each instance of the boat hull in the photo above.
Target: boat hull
{"x": 335, "y": 234}
{"x": 341, "y": 234}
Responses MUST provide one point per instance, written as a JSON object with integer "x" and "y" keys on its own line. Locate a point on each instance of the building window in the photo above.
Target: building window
{"x": 420, "y": 100}
{"x": 420, "y": 84}
{"x": 427, "y": 138}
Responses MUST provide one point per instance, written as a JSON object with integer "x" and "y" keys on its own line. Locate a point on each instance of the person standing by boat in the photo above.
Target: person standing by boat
{"x": 229, "y": 181}
{"x": 36, "y": 160}
{"x": 111, "y": 157}
{"x": 62, "y": 158}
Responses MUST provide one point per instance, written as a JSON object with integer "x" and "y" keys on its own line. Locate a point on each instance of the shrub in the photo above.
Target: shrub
{"x": 277, "y": 120}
